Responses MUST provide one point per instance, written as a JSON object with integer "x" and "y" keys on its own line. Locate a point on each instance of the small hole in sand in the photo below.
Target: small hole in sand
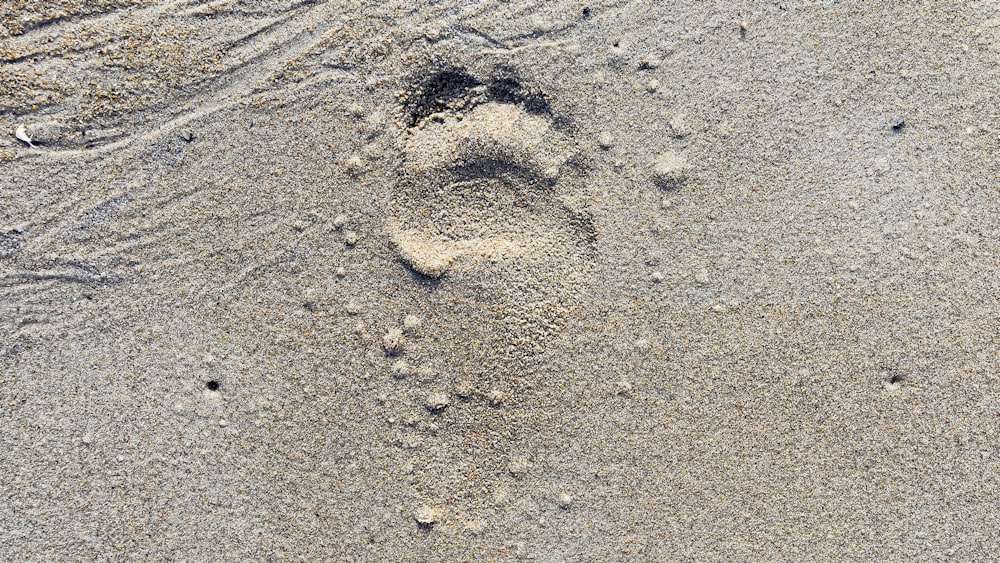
{"x": 212, "y": 385}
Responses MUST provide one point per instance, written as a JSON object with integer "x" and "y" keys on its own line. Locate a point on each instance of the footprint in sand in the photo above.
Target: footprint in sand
{"x": 489, "y": 200}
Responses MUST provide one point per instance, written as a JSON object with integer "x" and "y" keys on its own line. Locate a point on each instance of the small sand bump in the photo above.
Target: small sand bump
{"x": 475, "y": 527}
{"x": 426, "y": 517}
{"x": 551, "y": 172}
{"x": 437, "y": 402}
{"x": 518, "y": 466}
{"x": 894, "y": 381}
{"x": 623, "y": 388}
{"x": 464, "y": 390}
{"x": 426, "y": 373}
{"x": 341, "y": 272}
{"x": 669, "y": 169}
{"x": 352, "y": 308}
{"x": 401, "y": 369}
{"x": 393, "y": 342}
{"x": 496, "y": 398}
{"x": 339, "y": 221}
{"x": 678, "y": 127}
{"x": 351, "y": 238}
{"x": 652, "y": 86}
{"x": 361, "y": 330}
{"x": 606, "y": 140}
{"x": 412, "y": 324}
{"x": 355, "y": 165}
{"x": 657, "y": 277}
{"x": 650, "y": 61}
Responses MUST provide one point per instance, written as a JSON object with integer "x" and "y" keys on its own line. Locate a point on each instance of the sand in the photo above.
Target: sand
{"x": 605, "y": 281}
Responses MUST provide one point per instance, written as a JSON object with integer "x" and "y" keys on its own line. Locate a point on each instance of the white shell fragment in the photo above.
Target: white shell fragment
{"x": 22, "y": 135}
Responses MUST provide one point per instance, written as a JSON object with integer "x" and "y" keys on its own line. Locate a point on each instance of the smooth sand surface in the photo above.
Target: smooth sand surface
{"x": 501, "y": 280}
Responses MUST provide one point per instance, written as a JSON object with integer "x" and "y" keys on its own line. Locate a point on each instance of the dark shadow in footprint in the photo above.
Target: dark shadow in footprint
{"x": 454, "y": 89}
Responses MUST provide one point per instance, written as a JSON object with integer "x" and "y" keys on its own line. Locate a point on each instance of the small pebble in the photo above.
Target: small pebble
{"x": 223, "y": 422}
{"x": 605, "y": 140}
{"x": 657, "y": 277}
{"x": 565, "y": 501}
{"x": 898, "y": 123}
{"x": 350, "y": 238}
{"x": 341, "y": 272}
{"x": 653, "y": 85}
{"x": 339, "y": 221}
{"x": 437, "y": 402}
{"x": 393, "y": 342}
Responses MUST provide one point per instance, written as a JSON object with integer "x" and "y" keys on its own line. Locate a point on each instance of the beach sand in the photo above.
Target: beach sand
{"x": 504, "y": 280}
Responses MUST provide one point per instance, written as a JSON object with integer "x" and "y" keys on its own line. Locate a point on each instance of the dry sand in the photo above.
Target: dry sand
{"x": 330, "y": 280}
